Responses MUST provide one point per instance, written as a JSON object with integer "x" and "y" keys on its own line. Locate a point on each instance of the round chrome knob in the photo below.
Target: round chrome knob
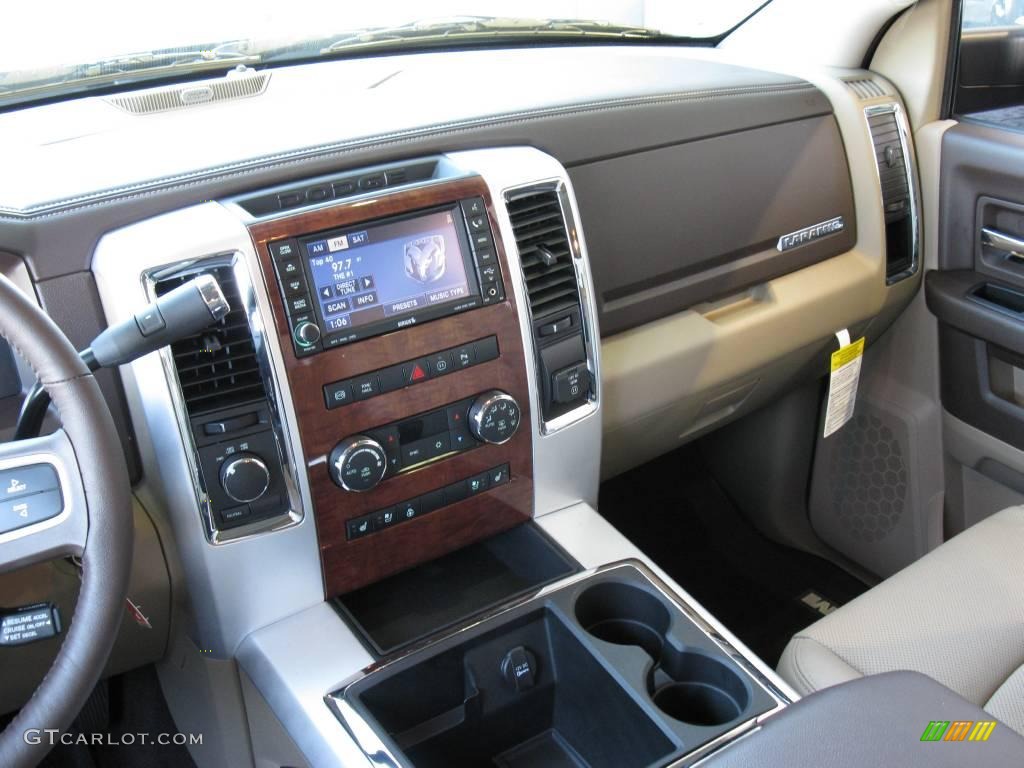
{"x": 357, "y": 463}
{"x": 244, "y": 477}
{"x": 306, "y": 333}
{"x": 494, "y": 417}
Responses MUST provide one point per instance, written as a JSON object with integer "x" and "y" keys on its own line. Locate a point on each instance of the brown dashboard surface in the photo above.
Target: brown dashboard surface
{"x": 352, "y": 564}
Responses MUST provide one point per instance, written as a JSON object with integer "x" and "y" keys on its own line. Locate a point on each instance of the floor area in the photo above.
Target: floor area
{"x": 675, "y": 512}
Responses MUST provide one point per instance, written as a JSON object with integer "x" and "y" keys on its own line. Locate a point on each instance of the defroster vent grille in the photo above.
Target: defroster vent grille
{"x": 217, "y": 368}
{"x": 544, "y": 251}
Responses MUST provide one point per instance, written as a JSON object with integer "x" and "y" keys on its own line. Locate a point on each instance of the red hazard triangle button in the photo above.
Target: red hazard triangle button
{"x": 415, "y": 371}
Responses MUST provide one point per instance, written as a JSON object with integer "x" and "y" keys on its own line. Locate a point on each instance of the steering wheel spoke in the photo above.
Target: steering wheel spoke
{"x": 42, "y": 503}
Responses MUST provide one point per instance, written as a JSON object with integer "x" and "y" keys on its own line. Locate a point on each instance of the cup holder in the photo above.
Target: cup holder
{"x": 699, "y": 690}
{"x": 624, "y": 615}
{"x": 688, "y": 686}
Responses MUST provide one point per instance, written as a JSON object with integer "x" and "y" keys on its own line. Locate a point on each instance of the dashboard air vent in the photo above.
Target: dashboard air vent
{"x": 217, "y": 368}
{"x": 544, "y": 251}
{"x": 897, "y": 190}
{"x": 865, "y": 88}
{"x": 237, "y": 85}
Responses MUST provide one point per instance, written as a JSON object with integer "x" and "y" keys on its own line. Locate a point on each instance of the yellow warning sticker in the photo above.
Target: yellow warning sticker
{"x": 847, "y": 354}
{"x": 842, "y": 383}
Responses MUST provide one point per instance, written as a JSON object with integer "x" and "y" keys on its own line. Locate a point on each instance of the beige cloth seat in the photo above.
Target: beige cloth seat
{"x": 957, "y": 615}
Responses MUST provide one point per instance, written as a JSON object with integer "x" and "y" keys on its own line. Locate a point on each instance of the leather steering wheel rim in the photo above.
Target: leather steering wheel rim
{"x": 107, "y": 551}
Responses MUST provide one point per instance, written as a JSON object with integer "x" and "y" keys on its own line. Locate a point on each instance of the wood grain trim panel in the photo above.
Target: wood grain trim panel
{"x": 350, "y": 565}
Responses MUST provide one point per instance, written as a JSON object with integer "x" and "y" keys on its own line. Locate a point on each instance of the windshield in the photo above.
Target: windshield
{"x": 49, "y": 49}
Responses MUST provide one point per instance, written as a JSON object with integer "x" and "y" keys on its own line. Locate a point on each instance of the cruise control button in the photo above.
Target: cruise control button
{"x": 338, "y": 394}
{"x": 25, "y": 481}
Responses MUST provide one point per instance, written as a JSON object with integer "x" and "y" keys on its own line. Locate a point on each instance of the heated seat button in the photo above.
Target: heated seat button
{"x": 361, "y": 526}
{"x": 385, "y": 518}
{"x": 478, "y": 483}
{"x": 498, "y": 475}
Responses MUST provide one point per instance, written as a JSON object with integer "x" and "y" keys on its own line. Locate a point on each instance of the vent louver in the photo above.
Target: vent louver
{"x": 894, "y": 177}
{"x": 544, "y": 251}
{"x": 866, "y": 88}
{"x": 217, "y": 368}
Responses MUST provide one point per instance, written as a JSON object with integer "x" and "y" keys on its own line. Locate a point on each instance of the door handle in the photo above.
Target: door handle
{"x": 1012, "y": 247}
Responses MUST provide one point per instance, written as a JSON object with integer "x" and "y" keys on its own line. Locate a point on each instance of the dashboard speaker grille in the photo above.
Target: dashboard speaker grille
{"x": 866, "y": 88}
{"x": 193, "y": 94}
{"x": 217, "y": 368}
{"x": 543, "y": 243}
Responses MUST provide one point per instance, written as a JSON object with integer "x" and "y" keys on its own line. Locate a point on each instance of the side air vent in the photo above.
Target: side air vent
{"x": 239, "y": 84}
{"x": 545, "y": 238}
{"x": 544, "y": 252}
{"x": 890, "y": 139}
{"x": 217, "y": 368}
{"x": 866, "y": 88}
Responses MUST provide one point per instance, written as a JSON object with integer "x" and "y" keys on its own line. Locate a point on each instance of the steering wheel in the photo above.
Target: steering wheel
{"x": 95, "y": 522}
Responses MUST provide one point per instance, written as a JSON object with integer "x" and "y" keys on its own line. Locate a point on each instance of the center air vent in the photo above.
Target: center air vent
{"x": 541, "y": 222}
{"x": 544, "y": 251}
{"x": 217, "y": 368}
{"x": 894, "y": 176}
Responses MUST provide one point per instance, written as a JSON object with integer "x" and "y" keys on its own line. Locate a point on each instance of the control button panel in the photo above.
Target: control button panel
{"x": 410, "y": 509}
{"x": 240, "y": 464}
{"x": 339, "y": 393}
{"x": 360, "y": 462}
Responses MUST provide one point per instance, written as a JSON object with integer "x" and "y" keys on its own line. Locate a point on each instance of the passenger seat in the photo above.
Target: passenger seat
{"x": 957, "y": 615}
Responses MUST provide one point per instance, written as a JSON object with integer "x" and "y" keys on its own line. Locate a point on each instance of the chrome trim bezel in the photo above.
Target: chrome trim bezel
{"x": 378, "y": 753}
{"x": 910, "y": 163}
{"x": 590, "y": 405}
{"x": 295, "y": 512}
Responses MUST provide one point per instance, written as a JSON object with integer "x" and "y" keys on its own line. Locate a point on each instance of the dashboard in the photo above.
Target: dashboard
{"x": 452, "y": 312}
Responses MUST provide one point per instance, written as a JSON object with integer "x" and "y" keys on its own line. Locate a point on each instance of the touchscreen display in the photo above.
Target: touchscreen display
{"x": 392, "y": 273}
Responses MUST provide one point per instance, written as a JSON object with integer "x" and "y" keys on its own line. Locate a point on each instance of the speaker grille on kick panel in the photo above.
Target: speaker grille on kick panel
{"x": 868, "y": 478}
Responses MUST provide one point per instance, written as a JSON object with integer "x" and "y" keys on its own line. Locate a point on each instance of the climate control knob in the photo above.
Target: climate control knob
{"x": 244, "y": 477}
{"x": 357, "y": 463}
{"x": 494, "y": 417}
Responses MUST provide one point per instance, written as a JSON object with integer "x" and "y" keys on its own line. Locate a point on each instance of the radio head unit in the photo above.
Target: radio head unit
{"x": 344, "y": 285}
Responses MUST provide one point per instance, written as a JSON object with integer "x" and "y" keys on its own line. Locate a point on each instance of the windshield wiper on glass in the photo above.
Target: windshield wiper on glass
{"x": 487, "y": 28}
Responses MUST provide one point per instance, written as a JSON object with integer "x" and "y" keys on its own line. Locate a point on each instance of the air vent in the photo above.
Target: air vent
{"x": 866, "y": 88}
{"x": 897, "y": 190}
{"x": 544, "y": 252}
{"x": 217, "y": 368}
{"x": 237, "y": 85}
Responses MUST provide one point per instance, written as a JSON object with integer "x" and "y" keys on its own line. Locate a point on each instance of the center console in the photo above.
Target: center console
{"x": 406, "y": 363}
